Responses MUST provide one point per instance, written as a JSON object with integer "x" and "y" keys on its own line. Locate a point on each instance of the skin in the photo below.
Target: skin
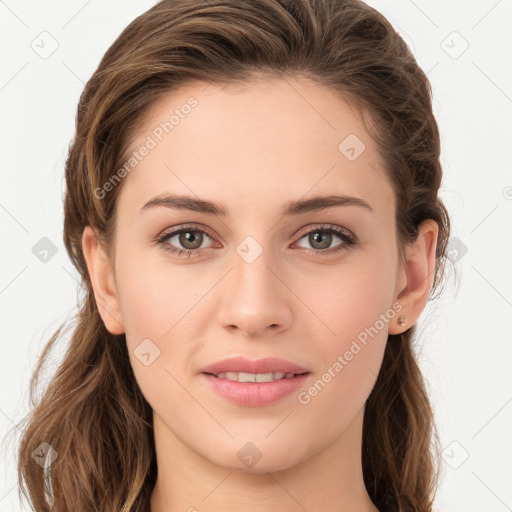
{"x": 253, "y": 149}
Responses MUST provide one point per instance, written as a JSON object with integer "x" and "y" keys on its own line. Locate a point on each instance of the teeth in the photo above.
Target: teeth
{"x": 254, "y": 377}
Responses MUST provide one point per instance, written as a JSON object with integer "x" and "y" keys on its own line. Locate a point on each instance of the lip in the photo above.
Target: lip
{"x": 255, "y": 394}
{"x": 242, "y": 364}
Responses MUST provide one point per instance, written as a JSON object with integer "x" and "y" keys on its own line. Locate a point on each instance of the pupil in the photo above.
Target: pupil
{"x": 189, "y": 237}
{"x": 325, "y": 239}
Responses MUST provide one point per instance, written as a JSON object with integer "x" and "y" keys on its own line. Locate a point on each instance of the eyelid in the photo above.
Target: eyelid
{"x": 327, "y": 227}
{"x": 183, "y": 227}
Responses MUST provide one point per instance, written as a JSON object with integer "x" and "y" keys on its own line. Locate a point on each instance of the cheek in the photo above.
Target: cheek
{"x": 156, "y": 311}
{"x": 349, "y": 298}
{"x": 353, "y": 312}
{"x": 163, "y": 305}
{"x": 154, "y": 297}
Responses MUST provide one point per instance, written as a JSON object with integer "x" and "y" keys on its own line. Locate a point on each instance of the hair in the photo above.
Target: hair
{"x": 92, "y": 412}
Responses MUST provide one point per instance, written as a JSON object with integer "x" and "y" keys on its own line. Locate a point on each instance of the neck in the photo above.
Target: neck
{"x": 330, "y": 480}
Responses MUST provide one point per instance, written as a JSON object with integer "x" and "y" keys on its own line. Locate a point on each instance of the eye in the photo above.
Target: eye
{"x": 321, "y": 238}
{"x": 190, "y": 238}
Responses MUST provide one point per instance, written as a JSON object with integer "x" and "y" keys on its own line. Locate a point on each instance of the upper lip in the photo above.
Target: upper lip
{"x": 241, "y": 364}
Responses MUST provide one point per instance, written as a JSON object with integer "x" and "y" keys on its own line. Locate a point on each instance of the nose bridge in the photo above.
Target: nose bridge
{"x": 252, "y": 276}
{"x": 254, "y": 298}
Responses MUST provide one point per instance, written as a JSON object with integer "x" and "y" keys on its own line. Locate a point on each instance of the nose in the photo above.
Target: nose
{"x": 255, "y": 299}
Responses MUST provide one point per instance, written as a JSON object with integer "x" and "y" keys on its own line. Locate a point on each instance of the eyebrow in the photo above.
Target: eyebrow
{"x": 291, "y": 208}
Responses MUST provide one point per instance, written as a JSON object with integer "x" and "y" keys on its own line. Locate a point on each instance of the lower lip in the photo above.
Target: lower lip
{"x": 255, "y": 394}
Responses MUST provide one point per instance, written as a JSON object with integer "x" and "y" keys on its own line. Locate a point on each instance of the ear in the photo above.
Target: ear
{"x": 103, "y": 282}
{"x": 416, "y": 276}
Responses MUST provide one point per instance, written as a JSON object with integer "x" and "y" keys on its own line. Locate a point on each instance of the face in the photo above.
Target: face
{"x": 312, "y": 286}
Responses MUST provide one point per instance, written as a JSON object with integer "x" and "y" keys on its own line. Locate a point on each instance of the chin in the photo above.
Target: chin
{"x": 251, "y": 459}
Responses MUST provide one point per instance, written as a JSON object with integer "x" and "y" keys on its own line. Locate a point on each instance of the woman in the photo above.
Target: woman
{"x": 252, "y": 204}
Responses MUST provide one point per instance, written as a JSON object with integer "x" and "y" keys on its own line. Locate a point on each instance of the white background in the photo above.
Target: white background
{"x": 466, "y": 345}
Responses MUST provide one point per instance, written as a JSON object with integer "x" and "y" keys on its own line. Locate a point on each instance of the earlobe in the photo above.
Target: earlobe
{"x": 419, "y": 270}
{"x": 102, "y": 279}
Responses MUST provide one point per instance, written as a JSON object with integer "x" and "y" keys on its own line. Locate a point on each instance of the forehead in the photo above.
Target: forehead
{"x": 255, "y": 144}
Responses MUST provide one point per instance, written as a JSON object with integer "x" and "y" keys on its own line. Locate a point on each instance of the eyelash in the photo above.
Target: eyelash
{"x": 349, "y": 240}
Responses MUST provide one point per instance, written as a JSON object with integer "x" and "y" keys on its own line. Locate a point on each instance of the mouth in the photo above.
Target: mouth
{"x": 255, "y": 377}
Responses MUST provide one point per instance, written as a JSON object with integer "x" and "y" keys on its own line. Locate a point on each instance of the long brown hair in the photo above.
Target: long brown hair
{"x": 92, "y": 413}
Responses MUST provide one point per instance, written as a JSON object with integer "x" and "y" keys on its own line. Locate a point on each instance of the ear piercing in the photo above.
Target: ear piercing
{"x": 401, "y": 320}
